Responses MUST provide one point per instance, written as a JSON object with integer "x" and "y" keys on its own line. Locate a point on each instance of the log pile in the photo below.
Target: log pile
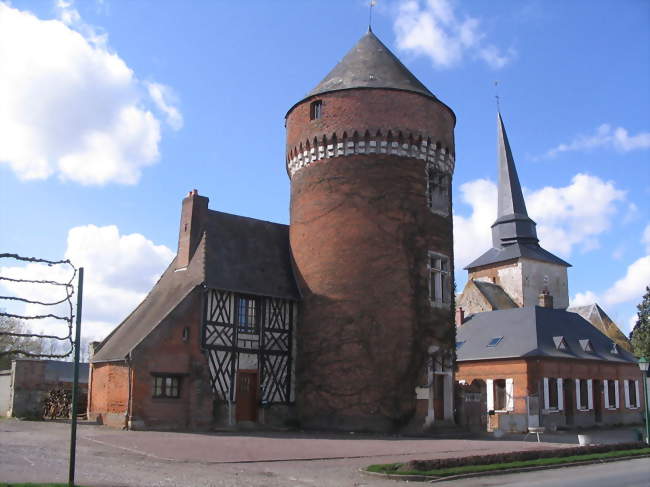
{"x": 58, "y": 404}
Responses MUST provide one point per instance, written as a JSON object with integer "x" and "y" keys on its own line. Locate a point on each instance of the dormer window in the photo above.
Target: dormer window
{"x": 614, "y": 349}
{"x": 586, "y": 345}
{"x": 560, "y": 342}
{"x": 315, "y": 110}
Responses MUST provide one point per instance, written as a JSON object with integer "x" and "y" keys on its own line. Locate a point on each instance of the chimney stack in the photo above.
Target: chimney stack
{"x": 193, "y": 213}
{"x": 460, "y": 316}
{"x": 545, "y": 299}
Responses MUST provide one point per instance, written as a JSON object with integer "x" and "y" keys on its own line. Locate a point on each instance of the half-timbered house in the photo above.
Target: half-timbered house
{"x": 213, "y": 340}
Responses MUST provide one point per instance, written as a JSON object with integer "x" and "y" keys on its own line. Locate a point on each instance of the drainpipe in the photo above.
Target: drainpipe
{"x": 129, "y": 404}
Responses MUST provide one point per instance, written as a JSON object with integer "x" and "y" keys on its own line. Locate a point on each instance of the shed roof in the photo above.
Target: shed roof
{"x": 530, "y": 332}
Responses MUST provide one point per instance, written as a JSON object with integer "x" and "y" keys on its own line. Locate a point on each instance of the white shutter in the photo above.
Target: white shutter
{"x": 636, "y": 388}
{"x": 626, "y": 389}
{"x": 546, "y": 403}
{"x": 590, "y": 394}
{"x": 510, "y": 395}
{"x": 578, "y": 398}
{"x": 616, "y": 393}
{"x": 490, "y": 394}
{"x": 560, "y": 395}
{"x": 606, "y": 393}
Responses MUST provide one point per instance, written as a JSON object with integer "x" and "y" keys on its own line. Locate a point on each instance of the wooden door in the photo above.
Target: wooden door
{"x": 247, "y": 386}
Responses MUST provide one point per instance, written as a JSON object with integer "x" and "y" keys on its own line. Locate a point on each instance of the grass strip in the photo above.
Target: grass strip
{"x": 391, "y": 468}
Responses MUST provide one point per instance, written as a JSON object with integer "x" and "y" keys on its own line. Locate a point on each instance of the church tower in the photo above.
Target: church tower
{"x": 516, "y": 271}
{"x": 370, "y": 155}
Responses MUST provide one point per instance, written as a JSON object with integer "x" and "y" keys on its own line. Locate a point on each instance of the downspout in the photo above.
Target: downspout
{"x": 129, "y": 404}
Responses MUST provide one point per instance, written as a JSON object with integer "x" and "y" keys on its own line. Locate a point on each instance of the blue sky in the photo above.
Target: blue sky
{"x": 111, "y": 111}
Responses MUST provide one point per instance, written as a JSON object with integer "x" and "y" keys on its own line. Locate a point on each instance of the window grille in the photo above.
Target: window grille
{"x": 315, "y": 110}
{"x": 246, "y": 315}
{"x": 166, "y": 386}
{"x": 439, "y": 288}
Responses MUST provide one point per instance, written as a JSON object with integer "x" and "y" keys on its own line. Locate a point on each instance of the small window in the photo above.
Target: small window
{"x": 500, "y": 395}
{"x": 246, "y": 315}
{"x": 166, "y": 386}
{"x": 439, "y": 279}
{"x": 560, "y": 342}
{"x": 459, "y": 344}
{"x": 584, "y": 394}
{"x": 614, "y": 349}
{"x": 552, "y": 393}
{"x": 437, "y": 190}
{"x": 186, "y": 334}
{"x": 494, "y": 342}
{"x": 586, "y": 345}
{"x": 315, "y": 110}
{"x": 611, "y": 393}
{"x": 631, "y": 385}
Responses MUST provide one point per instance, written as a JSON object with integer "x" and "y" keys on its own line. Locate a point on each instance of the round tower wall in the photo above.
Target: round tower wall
{"x": 361, "y": 236}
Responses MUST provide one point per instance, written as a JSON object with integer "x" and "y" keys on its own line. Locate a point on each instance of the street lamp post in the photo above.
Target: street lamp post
{"x": 643, "y": 365}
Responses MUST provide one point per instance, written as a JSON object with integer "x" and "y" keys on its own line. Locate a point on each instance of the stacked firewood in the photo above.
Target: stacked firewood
{"x": 57, "y": 404}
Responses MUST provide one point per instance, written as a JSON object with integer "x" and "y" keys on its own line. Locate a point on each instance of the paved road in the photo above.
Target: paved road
{"x": 38, "y": 452}
{"x": 628, "y": 473}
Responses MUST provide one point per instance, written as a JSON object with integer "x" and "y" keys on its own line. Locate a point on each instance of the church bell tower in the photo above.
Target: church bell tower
{"x": 370, "y": 156}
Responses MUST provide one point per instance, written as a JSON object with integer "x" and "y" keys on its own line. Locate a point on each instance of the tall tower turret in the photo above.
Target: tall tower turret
{"x": 370, "y": 154}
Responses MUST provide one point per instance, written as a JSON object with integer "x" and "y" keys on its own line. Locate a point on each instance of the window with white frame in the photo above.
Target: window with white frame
{"x": 553, "y": 394}
{"x": 610, "y": 392}
{"x": 500, "y": 394}
{"x": 439, "y": 279}
{"x": 631, "y": 394}
{"x": 584, "y": 395}
{"x": 246, "y": 315}
{"x": 437, "y": 190}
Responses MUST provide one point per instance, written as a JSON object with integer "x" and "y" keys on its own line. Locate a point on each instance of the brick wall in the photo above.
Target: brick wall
{"x": 109, "y": 393}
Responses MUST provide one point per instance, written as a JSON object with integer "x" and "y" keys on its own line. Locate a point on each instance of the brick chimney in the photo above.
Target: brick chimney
{"x": 460, "y": 316}
{"x": 545, "y": 299}
{"x": 193, "y": 214}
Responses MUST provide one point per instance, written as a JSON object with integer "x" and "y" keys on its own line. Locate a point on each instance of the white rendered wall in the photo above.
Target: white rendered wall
{"x": 539, "y": 275}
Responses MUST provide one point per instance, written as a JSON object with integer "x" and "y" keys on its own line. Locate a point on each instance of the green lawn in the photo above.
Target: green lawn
{"x": 391, "y": 468}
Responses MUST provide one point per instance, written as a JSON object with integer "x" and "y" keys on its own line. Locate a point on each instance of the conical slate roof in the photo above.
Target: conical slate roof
{"x": 513, "y": 233}
{"x": 370, "y": 64}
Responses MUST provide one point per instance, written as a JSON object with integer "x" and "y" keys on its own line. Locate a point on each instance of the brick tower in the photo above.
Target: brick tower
{"x": 370, "y": 155}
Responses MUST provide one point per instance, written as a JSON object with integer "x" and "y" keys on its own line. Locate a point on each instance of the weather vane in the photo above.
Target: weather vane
{"x": 496, "y": 94}
{"x": 372, "y": 4}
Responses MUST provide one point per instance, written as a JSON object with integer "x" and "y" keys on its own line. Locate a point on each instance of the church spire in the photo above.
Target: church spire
{"x": 513, "y": 224}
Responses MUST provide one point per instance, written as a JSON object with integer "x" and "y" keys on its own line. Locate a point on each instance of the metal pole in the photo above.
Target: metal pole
{"x": 75, "y": 384}
{"x": 645, "y": 407}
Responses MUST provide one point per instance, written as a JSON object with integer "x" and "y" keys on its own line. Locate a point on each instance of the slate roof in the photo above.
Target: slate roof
{"x": 595, "y": 315}
{"x": 495, "y": 295}
{"x": 529, "y": 332}
{"x": 370, "y": 64}
{"x": 513, "y": 233}
{"x": 235, "y": 253}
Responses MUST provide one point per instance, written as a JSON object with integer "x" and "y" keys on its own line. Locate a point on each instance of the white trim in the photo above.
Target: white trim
{"x": 606, "y": 392}
{"x": 560, "y": 394}
{"x": 590, "y": 394}
{"x": 546, "y": 401}
{"x": 616, "y": 393}
{"x": 489, "y": 383}
{"x": 510, "y": 395}
{"x": 578, "y": 398}
{"x": 626, "y": 389}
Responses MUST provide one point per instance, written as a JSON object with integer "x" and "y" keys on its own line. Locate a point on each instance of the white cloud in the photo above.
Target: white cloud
{"x": 70, "y": 107}
{"x": 119, "y": 270}
{"x": 574, "y": 215}
{"x": 605, "y": 137}
{"x": 434, "y": 30}
{"x": 567, "y": 217}
{"x": 583, "y": 299}
{"x": 163, "y": 97}
{"x": 645, "y": 238}
{"x": 631, "y": 286}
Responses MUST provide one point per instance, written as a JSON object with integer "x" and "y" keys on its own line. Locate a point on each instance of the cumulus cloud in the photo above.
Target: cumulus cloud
{"x": 631, "y": 286}
{"x": 164, "y": 98}
{"x": 584, "y": 299}
{"x": 70, "y": 107}
{"x": 606, "y": 137}
{"x": 433, "y": 29}
{"x": 567, "y": 217}
{"x": 119, "y": 270}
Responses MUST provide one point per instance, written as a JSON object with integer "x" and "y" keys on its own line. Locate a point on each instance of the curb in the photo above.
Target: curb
{"x": 432, "y": 479}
